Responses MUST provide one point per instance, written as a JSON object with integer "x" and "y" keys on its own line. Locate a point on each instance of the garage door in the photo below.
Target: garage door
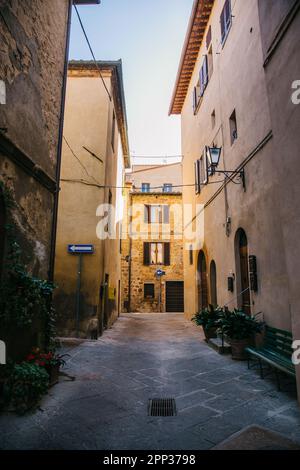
{"x": 175, "y": 296}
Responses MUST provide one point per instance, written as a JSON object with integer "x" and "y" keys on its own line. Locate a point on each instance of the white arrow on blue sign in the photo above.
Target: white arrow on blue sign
{"x": 74, "y": 249}
{"x": 159, "y": 272}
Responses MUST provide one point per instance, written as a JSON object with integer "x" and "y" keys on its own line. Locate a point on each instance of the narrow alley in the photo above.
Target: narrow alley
{"x": 148, "y": 356}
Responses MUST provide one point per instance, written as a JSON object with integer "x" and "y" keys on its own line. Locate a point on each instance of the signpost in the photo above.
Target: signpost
{"x": 159, "y": 274}
{"x": 79, "y": 250}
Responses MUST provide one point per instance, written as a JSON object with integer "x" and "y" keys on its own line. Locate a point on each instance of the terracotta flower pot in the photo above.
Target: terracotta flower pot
{"x": 210, "y": 333}
{"x": 238, "y": 348}
{"x": 53, "y": 372}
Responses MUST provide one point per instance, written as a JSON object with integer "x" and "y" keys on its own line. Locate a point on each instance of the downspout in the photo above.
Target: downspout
{"x": 130, "y": 250}
{"x": 59, "y": 148}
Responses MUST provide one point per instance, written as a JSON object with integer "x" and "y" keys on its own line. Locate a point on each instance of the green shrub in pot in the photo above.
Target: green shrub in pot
{"x": 239, "y": 329}
{"x": 208, "y": 318}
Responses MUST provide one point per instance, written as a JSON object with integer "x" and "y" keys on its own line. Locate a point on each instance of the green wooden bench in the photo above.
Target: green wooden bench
{"x": 276, "y": 352}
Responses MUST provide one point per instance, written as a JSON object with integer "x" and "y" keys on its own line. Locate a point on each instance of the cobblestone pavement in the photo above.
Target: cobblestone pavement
{"x": 141, "y": 357}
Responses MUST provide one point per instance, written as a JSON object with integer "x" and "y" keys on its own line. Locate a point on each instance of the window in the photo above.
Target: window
{"x": 196, "y": 96}
{"x": 208, "y": 38}
{"x": 168, "y": 188}
{"x": 145, "y": 187}
{"x": 233, "y": 127}
{"x": 157, "y": 214}
{"x": 226, "y": 20}
{"x": 201, "y": 177}
{"x": 213, "y": 119}
{"x": 113, "y": 131}
{"x": 203, "y": 76}
{"x": 210, "y": 62}
{"x": 149, "y": 291}
{"x": 156, "y": 253}
{"x": 191, "y": 255}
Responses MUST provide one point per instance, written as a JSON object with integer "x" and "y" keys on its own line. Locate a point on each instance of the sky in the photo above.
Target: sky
{"x": 148, "y": 36}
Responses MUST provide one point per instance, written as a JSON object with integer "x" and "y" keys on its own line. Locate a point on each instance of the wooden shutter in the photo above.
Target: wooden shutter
{"x": 167, "y": 254}
{"x": 146, "y": 253}
{"x": 208, "y": 37}
{"x": 205, "y": 72}
{"x": 147, "y": 214}
{"x": 197, "y": 177}
{"x": 195, "y": 99}
{"x": 166, "y": 218}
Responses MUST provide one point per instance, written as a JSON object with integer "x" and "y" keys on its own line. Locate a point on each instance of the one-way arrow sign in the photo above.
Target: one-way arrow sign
{"x": 79, "y": 249}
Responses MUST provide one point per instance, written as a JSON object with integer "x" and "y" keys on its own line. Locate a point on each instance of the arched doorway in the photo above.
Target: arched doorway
{"x": 2, "y": 230}
{"x": 202, "y": 282}
{"x": 213, "y": 284}
{"x": 243, "y": 271}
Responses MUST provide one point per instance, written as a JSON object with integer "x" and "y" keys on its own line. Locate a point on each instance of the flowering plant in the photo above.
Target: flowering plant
{"x": 46, "y": 359}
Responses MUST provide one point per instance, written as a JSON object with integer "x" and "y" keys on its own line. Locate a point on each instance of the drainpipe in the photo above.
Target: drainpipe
{"x": 59, "y": 148}
{"x": 130, "y": 250}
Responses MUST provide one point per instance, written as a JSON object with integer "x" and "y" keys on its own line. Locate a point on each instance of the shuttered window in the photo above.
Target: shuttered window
{"x": 203, "y": 76}
{"x": 197, "y": 177}
{"x": 208, "y": 38}
{"x": 225, "y": 20}
{"x": 156, "y": 214}
{"x": 201, "y": 176}
{"x": 156, "y": 253}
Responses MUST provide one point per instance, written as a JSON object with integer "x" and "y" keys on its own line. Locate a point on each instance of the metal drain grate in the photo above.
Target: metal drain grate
{"x": 162, "y": 407}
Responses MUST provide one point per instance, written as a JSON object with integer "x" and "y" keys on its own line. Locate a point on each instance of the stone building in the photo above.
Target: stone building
{"x": 34, "y": 37}
{"x": 152, "y": 240}
{"x": 233, "y": 91}
{"x": 95, "y": 153}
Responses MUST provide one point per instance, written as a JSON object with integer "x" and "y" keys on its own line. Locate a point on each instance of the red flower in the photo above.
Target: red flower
{"x": 30, "y": 357}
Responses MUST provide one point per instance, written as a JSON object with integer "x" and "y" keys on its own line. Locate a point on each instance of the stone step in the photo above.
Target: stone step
{"x": 216, "y": 343}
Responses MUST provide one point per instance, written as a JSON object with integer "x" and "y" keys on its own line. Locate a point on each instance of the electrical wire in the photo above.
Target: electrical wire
{"x": 162, "y": 157}
{"x": 92, "y": 52}
{"x": 79, "y": 161}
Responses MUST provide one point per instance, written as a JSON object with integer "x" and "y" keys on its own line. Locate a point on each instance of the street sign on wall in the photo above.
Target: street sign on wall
{"x": 80, "y": 249}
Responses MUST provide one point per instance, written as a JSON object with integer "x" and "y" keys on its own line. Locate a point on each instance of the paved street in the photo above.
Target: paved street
{"x": 147, "y": 356}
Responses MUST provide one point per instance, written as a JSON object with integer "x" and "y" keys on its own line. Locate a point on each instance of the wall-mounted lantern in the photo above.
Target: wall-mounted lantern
{"x": 213, "y": 155}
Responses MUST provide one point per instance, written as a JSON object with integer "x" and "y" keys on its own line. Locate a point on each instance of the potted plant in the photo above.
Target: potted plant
{"x": 208, "y": 319}
{"x": 50, "y": 361}
{"x": 25, "y": 386}
{"x": 239, "y": 329}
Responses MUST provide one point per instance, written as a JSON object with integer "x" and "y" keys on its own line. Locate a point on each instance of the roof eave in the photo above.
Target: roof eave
{"x": 198, "y": 6}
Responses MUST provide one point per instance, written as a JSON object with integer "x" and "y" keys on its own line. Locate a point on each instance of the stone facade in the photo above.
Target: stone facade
{"x": 33, "y": 38}
{"x": 136, "y": 232}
